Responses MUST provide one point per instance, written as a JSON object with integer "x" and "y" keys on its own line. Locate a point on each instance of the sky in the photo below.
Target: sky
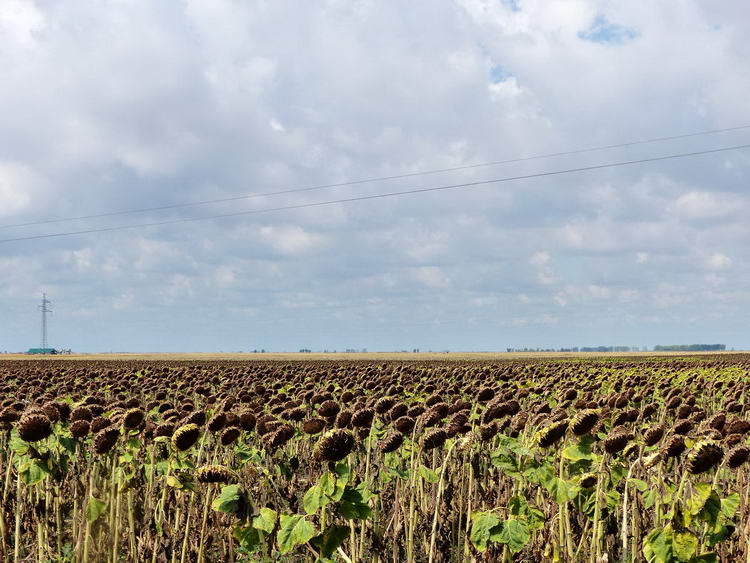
{"x": 109, "y": 106}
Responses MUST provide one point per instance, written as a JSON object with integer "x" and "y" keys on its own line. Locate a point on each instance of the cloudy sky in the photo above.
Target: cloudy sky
{"x": 119, "y": 105}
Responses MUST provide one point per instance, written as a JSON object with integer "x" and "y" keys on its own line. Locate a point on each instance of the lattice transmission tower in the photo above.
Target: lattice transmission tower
{"x": 44, "y": 308}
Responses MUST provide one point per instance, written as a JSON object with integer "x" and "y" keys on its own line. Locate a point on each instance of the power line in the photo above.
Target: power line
{"x": 376, "y": 179}
{"x": 383, "y": 195}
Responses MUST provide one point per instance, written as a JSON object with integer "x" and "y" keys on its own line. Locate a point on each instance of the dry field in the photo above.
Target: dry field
{"x": 414, "y": 457}
{"x": 366, "y": 356}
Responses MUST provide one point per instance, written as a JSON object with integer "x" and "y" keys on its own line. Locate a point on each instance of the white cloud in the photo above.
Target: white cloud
{"x": 718, "y": 261}
{"x": 540, "y": 258}
{"x": 707, "y": 205}
{"x": 545, "y": 274}
{"x": 276, "y": 125}
{"x": 19, "y": 22}
{"x": 431, "y": 276}
{"x": 18, "y": 186}
{"x": 225, "y": 276}
{"x": 123, "y": 301}
{"x": 290, "y": 240}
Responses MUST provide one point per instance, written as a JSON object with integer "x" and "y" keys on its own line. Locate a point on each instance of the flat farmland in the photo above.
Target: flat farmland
{"x": 358, "y": 356}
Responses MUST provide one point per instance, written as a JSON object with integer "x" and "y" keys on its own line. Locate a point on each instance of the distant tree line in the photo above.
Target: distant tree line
{"x": 690, "y": 348}
{"x": 577, "y": 349}
{"x": 659, "y": 348}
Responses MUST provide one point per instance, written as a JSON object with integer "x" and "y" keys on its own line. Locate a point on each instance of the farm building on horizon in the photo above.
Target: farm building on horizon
{"x": 41, "y": 351}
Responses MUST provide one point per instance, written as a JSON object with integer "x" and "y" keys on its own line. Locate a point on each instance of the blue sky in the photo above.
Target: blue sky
{"x": 603, "y": 31}
{"x": 112, "y": 106}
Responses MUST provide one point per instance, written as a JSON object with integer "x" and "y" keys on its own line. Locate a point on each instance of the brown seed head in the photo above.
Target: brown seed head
{"x": 217, "y": 422}
{"x": 488, "y": 431}
{"x": 434, "y": 439}
{"x": 247, "y": 420}
{"x": 81, "y": 413}
{"x": 392, "y": 442}
{"x": 133, "y": 418}
{"x": 166, "y": 429}
{"x": 279, "y": 436}
{"x": 33, "y": 427}
{"x": 329, "y": 409}
{"x": 186, "y": 436}
{"x": 100, "y": 423}
{"x": 363, "y": 418}
{"x": 335, "y": 445}
{"x": 683, "y": 427}
{"x": 674, "y": 447}
{"x": 344, "y": 419}
{"x": 738, "y": 456}
{"x": 213, "y": 474}
{"x": 105, "y": 440}
{"x": 405, "y": 424}
{"x": 552, "y": 433}
{"x": 80, "y": 428}
{"x": 654, "y": 434}
{"x": 584, "y": 421}
{"x": 704, "y": 456}
{"x": 230, "y": 435}
{"x": 588, "y": 480}
{"x": 313, "y": 426}
{"x": 616, "y": 441}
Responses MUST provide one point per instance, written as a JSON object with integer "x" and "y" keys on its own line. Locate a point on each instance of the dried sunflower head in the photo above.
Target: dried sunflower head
{"x": 674, "y": 447}
{"x": 133, "y": 418}
{"x": 363, "y": 418}
{"x": 616, "y": 442}
{"x": 9, "y": 414}
{"x": 405, "y": 424}
{"x": 733, "y": 439}
{"x": 434, "y": 439}
{"x": 683, "y": 427}
{"x": 488, "y": 431}
{"x": 81, "y": 413}
{"x": 344, "y": 419}
{"x": 588, "y": 480}
{"x": 196, "y": 417}
{"x": 717, "y": 421}
{"x": 51, "y": 411}
{"x": 80, "y": 428}
{"x": 738, "y": 456}
{"x": 34, "y": 426}
{"x": 105, "y": 440}
{"x": 584, "y": 421}
{"x": 230, "y": 435}
{"x": 186, "y": 436}
{"x": 329, "y": 408}
{"x": 552, "y": 433}
{"x": 213, "y": 474}
{"x": 313, "y": 426}
{"x": 100, "y": 423}
{"x": 384, "y": 404}
{"x": 392, "y": 442}
{"x": 217, "y": 422}
{"x": 654, "y": 434}
{"x": 279, "y": 436}
{"x": 166, "y": 429}
{"x": 485, "y": 394}
{"x": 335, "y": 445}
{"x": 247, "y": 420}
{"x": 704, "y": 455}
